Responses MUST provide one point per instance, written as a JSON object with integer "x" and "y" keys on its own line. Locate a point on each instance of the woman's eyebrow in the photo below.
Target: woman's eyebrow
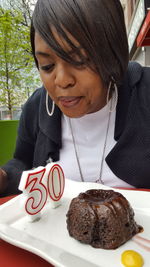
{"x": 40, "y": 53}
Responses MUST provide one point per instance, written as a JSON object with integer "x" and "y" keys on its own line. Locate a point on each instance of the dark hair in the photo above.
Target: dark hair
{"x": 98, "y": 26}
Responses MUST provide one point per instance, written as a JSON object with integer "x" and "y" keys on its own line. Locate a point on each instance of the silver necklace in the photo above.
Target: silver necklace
{"x": 99, "y": 180}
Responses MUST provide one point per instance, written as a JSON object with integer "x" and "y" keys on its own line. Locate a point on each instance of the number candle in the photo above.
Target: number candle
{"x": 37, "y": 184}
{"x": 55, "y": 184}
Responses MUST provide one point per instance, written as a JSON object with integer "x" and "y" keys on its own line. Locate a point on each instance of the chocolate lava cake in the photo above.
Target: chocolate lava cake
{"x": 101, "y": 218}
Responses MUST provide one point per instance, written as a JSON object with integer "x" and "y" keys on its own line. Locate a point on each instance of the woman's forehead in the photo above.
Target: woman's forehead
{"x": 59, "y": 40}
{"x": 40, "y": 44}
{"x": 63, "y": 42}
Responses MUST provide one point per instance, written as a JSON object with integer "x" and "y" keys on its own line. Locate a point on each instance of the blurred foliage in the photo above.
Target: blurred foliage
{"x": 18, "y": 76}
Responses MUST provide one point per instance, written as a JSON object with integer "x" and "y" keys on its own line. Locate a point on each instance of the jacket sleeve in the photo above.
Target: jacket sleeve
{"x": 24, "y": 151}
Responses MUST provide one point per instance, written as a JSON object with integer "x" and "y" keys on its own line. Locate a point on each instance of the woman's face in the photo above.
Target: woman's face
{"x": 75, "y": 90}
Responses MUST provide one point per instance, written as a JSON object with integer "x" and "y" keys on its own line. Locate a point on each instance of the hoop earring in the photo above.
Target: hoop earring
{"x": 53, "y": 106}
{"x": 115, "y": 96}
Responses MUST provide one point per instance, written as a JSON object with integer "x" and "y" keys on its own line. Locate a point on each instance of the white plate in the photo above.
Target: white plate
{"x": 49, "y": 237}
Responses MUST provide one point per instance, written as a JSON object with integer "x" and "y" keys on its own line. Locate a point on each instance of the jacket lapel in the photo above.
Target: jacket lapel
{"x": 50, "y": 126}
{"x": 131, "y": 78}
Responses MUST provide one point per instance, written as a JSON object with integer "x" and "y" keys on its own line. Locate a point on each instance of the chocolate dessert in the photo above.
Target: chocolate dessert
{"x": 101, "y": 218}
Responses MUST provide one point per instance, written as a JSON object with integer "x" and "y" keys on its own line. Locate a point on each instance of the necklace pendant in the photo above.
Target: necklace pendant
{"x": 50, "y": 160}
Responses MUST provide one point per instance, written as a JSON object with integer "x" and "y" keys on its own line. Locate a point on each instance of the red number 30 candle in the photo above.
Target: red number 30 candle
{"x": 39, "y": 184}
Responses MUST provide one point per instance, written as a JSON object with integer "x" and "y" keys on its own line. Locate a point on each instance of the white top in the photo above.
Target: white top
{"x": 90, "y": 145}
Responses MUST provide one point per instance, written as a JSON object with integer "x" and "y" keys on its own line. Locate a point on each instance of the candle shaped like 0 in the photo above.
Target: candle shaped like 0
{"x": 37, "y": 184}
{"x": 55, "y": 182}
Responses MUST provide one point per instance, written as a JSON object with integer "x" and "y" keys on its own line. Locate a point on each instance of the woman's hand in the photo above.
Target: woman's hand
{"x": 3, "y": 180}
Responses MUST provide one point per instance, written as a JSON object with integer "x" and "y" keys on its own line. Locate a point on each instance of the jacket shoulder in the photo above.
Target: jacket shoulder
{"x": 137, "y": 73}
{"x": 34, "y": 100}
{"x": 134, "y": 73}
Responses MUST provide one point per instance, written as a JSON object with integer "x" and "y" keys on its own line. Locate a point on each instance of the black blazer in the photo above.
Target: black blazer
{"x": 39, "y": 136}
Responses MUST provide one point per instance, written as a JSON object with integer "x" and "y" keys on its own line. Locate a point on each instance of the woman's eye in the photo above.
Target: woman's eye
{"x": 47, "y": 68}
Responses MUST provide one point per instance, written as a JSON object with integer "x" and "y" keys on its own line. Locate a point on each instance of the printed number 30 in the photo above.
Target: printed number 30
{"x": 38, "y": 192}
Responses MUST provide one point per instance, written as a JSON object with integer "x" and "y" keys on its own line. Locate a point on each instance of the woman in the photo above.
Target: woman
{"x": 91, "y": 114}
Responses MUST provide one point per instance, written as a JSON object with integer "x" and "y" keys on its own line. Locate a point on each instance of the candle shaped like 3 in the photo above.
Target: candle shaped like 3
{"x": 37, "y": 184}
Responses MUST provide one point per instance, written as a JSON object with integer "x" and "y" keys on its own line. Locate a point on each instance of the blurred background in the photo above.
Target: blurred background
{"x": 137, "y": 18}
{"x": 18, "y": 74}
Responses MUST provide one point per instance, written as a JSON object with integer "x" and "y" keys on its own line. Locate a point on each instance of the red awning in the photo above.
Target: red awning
{"x": 143, "y": 38}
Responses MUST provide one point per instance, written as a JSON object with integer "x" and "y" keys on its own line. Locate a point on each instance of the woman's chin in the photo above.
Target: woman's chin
{"x": 73, "y": 113}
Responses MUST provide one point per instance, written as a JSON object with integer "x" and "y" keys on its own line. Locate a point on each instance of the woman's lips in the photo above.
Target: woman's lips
{"x": 69, "y": 101}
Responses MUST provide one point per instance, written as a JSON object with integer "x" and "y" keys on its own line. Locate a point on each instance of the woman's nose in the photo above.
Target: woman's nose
{"x": 64, "y": 77}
